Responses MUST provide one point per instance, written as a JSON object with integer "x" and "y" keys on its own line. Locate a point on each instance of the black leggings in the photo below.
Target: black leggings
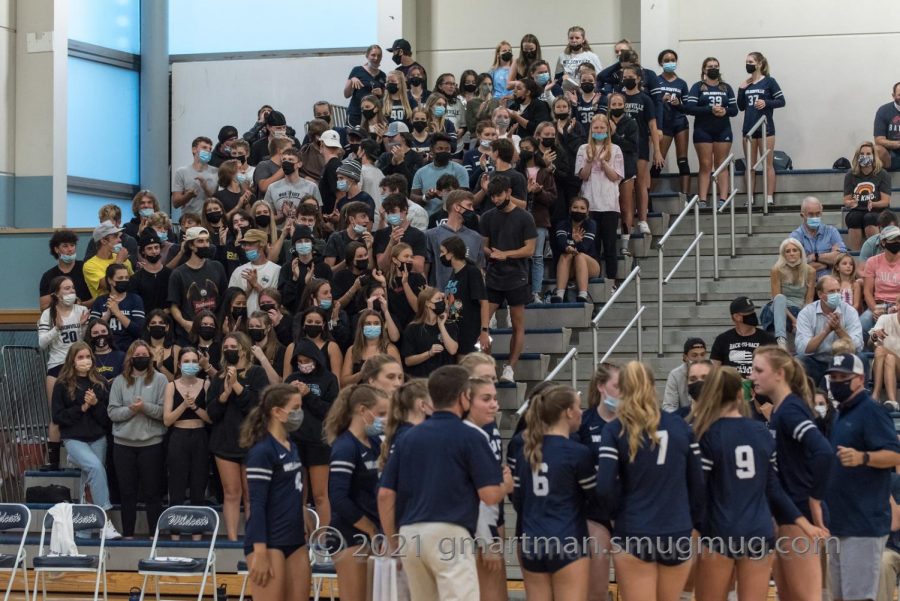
{"x": 188, "y": 465}
{"x": 605, "y": 241}
{"x": 139, "y": 469}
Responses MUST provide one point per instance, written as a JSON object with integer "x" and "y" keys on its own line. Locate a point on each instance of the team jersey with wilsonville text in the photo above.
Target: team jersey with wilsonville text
{"x": 276, "y": 495}
{"x": 673, "y": 115}
{"x": 702, "y": 98}
{"x": 353, "y": 484}
{"x": 766, "y": 89}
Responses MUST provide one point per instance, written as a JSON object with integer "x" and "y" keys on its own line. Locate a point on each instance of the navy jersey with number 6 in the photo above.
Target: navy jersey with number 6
{"x": 276, "y": 495}
{"x": 661, "y": 491}
{"x": 550, "y": 501}
{"x": 738, "y": 457}
{"x": 353, "y": 485}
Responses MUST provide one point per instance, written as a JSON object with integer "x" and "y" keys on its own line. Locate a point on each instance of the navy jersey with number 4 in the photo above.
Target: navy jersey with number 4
{"x": 550, "y": 501}
{"x": 738, "y": 456}
{"x": 673, "y": 115}
{"x": 276, "y": 495}
{"x": 661, "y": 491}
{"x": 353, "y": 484}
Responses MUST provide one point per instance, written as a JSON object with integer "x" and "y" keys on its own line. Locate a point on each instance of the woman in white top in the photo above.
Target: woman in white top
{"x": 601, "y": 166}
{"x": 60, "y": 325}
{"x": 578, "y": 51}
{"x": 500, "y": 118}
{"x": 886, "y": 340}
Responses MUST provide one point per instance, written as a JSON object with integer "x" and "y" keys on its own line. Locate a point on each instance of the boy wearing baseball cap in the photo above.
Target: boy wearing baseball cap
{"x": 735, "y": 347}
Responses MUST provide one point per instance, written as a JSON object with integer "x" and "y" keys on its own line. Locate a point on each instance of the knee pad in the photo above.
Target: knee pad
{"x": 683, "y": 167}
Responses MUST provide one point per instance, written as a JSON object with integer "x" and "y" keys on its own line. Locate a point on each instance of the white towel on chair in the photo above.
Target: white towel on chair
{"x": 62, "y": 537}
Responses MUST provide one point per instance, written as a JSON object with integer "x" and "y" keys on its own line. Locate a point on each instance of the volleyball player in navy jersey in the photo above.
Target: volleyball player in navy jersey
{"x": 760, "y": 95}
{"x": 671, "y": 94}
{"x": 351, "y": 430}
{"x": 410, "y": 406}
{"x": 587, "y": 101}
{"x": 805, "y": 460}
{"x": 650, "y": 475}
{"x": 738, "y": 455}
{"x": 275, "y": 539}
{"x": 713, "y": 104}
{"x": 603, "y": 399}
{"x": 555, "y": 478}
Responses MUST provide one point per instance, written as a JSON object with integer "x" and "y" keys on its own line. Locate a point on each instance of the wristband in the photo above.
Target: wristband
{"x": 865, "y": 459}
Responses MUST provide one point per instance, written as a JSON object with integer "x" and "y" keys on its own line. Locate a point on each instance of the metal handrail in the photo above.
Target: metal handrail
{"x": 729, "y": 163}
{"x": 612, "y": 347}
{"x": 695, "y": 246}
{"x": 572, "y": 356}
{"x": 751, "y": 169}
{"x": 595, "y": 322}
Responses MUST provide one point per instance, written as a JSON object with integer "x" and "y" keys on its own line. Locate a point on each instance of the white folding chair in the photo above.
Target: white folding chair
{"x": 183, "y": 520}
{"x": 321, "y": 565}
{"x": 84, "y": 517}
{"x": 14, "y": 517}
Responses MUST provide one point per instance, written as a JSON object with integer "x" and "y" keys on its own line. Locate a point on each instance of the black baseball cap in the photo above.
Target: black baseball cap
{"x": 275, "y": 119}
{"x": 401, "y": 44}
{"x": 692, "y": 343}
{"x": 742, "y": 306}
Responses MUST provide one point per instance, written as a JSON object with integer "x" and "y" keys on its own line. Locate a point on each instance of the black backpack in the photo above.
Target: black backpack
{"x": 52, "y": 493}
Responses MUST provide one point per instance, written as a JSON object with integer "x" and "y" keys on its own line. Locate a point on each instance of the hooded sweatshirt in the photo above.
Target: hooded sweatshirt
{"x": 323, "y": 389}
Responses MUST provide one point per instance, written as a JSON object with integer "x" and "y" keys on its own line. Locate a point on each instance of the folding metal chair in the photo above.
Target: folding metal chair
{"x": 183, "y": 519}
{"x": 13, "y": 517}
{"x": 84, "y": 517}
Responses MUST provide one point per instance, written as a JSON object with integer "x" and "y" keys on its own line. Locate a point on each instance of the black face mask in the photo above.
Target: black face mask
{"x": 503, "y": 205}
{"x": 469, "y": 87}
{"x": 529, "y": 55}
{"x": 441, "y": 158}
{"x": 370, "y": 113}
{"x": 416, "y": 81}
{"x": 207, "y": 332}
{"x": 214, "y": 217}
{"x": 419, "y": 126}
{"x": 263, "y": 221}
{"x": 238, "y": 312}
{"x": 120, "y": 287}
{"x": 526, "y": 155}
{"x": 152, "y": 259}
{"x": 325, "y": 118}
{"x": 445, "y": 261}
{"x": 713, "y": 73}
{"x": 392, "y": 88}
{"x": 587, "y": 87}
{"x": 101, "y": 341}
{"x": 352, "y": 148}
{"x": 231, "y": 356}
{"x": 629, "y": 84}
{"x": 440, "y": 307}
{"x": 506, "y": 56}
{"x": 288, "y": 167}
{"x": 750, "y": 68}
{"x": 750, "y": 319}
{"x": 157, "y": 332}
{"x": 257, "y": 335}
{"x": 892, "y": 247}
{"x": 140, "y": 363}
{"x": 397, "y": 59}
{"x": 616, "y": 112}
{"x": 267, "y": 307}
{"x": 204, "y": 253}
{"x": 361, "y": 264}
{"x": 548, "y": 142}
{"x": 762, "y": 399}
{"x": 242, "y": 158}
{"x": 578, "y": 217}
{"x": 694, "y": 389}
{"x": 575, "y": 47}
{"x": 562, "y": 116}
{"x": 470, "y": 219}
{"x": 312, "y": 331}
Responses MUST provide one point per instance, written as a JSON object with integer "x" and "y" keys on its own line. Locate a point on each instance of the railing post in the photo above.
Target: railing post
{"x": 637, "y": 307}
{"x": 594, "y": 336}
{"x": 715, "y": 216}
{"x": 659, "y": 302}
{"x": 697, "y": 250}
{"x": 575, "y": 372}
{"x": 765, "y": 177}
{"x": 731, "y": 210}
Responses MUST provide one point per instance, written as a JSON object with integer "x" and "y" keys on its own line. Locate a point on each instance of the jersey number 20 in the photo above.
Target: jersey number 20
{"x": 539, "y": 483}
{"x": 746, "y": 465}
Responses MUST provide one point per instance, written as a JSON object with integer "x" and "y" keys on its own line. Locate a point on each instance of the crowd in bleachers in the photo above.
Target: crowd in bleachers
{"x": 316, "y": 275}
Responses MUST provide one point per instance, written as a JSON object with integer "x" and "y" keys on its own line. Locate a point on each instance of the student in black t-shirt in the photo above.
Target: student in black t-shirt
{"x": 196, "y": 285}
{"x": 429, "y": 341}
{"x": 397, "y": 230}
{"x": 151, "y": 281}
{"x": 735, "y": 347}
{"x": 109, "y": 360}
{"x": 62, "y": 247}
{"x": 403, "y": 285}
{"x": 509, "y": 237}
{"x": 466, "y": 298}
{"x": 502, "y": 154}
{"x": 887, "y": 131}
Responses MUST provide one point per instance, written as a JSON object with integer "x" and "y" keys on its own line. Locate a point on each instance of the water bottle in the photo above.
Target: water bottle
{"x": 134, "y": 594}
{"x": 221, "y": 593}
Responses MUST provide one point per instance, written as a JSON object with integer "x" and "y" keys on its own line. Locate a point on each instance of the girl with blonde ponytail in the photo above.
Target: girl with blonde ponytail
{"x": 554, "y": 480}
{"x": 805, "y": 459}
{"x": 650, "y": 476}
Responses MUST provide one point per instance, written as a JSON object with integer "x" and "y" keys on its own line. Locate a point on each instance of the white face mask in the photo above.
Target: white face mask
{"x": 821, "y": 410}
{"x": 69, "y": 299}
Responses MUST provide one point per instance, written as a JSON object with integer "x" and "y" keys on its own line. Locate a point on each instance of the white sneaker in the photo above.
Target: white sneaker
{"x": 537, "y": 299}
{"x": 770, "y": 200}
{"x": 782, "y": 342}
{"x": 110, "y": 532}
{"x": 644, "y": 227}
{"x": 508, "y": 375}
{"x": 493, "y": 323}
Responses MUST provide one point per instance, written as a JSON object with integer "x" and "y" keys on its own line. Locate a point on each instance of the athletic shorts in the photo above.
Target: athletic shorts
{"x": 676, "y": 126}
{"x": 855, "y": 567}
{"x": 858, "y": 219}
{"x": 667, "y": 550}
{"x": 287, "y": 550}
{"x": 644, "y": 149}
{"x": 537, "y": 557}
{"x": 738, "y": 548}
{"x": 53, "y": 372}
{"x": 516, "y": 297}
{"x": 314, "y": 454}
{"x": 701, "y": 136}
{"x": 758, "y": 133}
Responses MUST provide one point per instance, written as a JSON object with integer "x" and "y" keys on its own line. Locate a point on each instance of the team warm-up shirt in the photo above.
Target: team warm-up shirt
{"x": 733, "y": 350}
{"x": 805, "y": 459}
{"x": 550, "y": 500}
{"x": 766, "y": 89}
{"x": 739, "y": 461}
{"x": 673, "y": 115}
{"x": 57, "y": 338}
{"x": 661, "y": 492}
{"x": 276, "y": 495}
{"x": 702, "y": 98}
{"x": 586, "y": 109}
{"x": 864, "y": 425}
{"x": 353, "y": 484}
{"x": 589, "y": 435}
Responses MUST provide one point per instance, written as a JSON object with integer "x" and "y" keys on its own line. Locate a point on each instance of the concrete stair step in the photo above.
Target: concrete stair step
{"x": 546, "y": 340}
{"x": 531, "y": 366}
{"x": 798, "y": 180}
{"x": 510, "y": 395}
{"x": 558, "y": 315}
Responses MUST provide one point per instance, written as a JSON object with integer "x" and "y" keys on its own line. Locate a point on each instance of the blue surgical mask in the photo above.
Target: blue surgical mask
{"x": 67, "y": 259}
{"x": 252, "y": 255}
{"x": 485, "y": 143}
{"x": 343, "y": 185}
{"x": 834, "y": 300}
{"x": 611, "y": 402}
{"x": 117, "y": 248}
{"x": 542, "y": 78}
{"x": 813, "y": 223}
{"x": 376, "y": 428}
{"x": 204, "y": 156}
{"x": 599, "y": 137}
{"x": 395, "y": 219}
{"x": 190, "y": 369}
{"x": 146, "y": 213}
{"x": 359, "y": 229}
{"x": 439, "y": 110}
{"x": 669, "y": 67}
{"x": 371, "y": 332}
{"x": 325, "y": 303}
{"x": 241, "y": 178}
{"x": 303, "y": 248}
{"x": 163, "y": 236}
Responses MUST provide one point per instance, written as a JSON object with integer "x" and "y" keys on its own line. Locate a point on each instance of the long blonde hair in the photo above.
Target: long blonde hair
{"x": 422, "y": 300}
{"x": 585, "y": 47}
{"x": 595, "y": 148}
{"x": 638, "y": 409}
{"x": 877, "y": 165}
{"x": 393, "y": 271}
{"x": 435, "y": 123}
{"x": 402, "y": 404}
{"x": 792, "y": 275}
{"x": 497, "y": 54}
{"x": 341, "y": 413}
{"x": 402, "y": 92}
{"x": 272, "y": 230}
{"x": 794, "y": 374}
{"x": 544, "y": 410}
{"x": 720, "y": 390}
{"x": 835, "y": 271}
